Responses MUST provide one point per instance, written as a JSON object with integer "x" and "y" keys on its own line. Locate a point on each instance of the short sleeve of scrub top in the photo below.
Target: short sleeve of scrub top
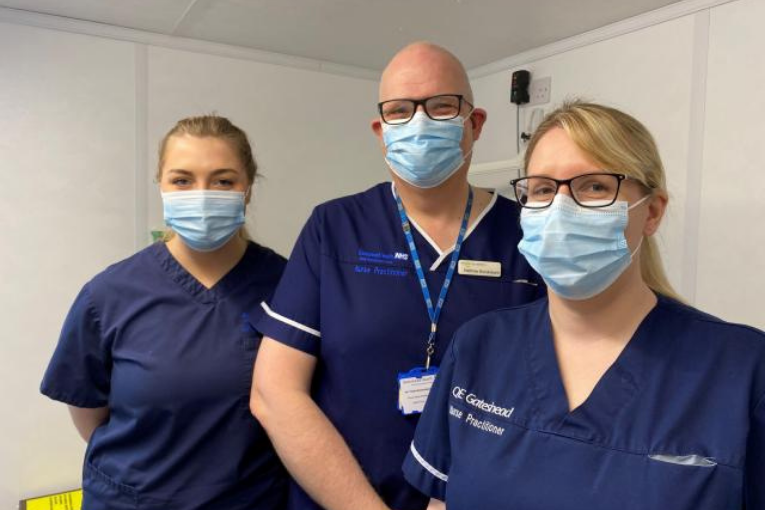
{"x": 298, "y": 292}
{"x": 84, "y": 380}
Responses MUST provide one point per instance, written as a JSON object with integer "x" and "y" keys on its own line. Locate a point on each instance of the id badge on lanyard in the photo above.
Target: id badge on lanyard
{"x": 414, "y": 388}
{"x": 415, "y": 384}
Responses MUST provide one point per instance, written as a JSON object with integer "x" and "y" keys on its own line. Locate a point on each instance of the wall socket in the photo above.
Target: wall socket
{"x": 539, "y": 91}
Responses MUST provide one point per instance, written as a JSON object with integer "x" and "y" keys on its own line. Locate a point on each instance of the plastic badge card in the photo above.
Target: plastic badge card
{"x": 413, "y": 389}
{"x": 71, "y": 500}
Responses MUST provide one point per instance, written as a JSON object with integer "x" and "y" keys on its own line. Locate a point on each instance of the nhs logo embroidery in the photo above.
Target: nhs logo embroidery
{"x": 379, "y": 257}
{"x": 380, "y": 263}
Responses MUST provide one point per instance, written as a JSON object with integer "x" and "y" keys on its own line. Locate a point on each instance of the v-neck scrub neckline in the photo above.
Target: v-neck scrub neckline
{"x": 444, "y": 254}
{"x": 180, "y": 275}
{"x": 613, "y": 391}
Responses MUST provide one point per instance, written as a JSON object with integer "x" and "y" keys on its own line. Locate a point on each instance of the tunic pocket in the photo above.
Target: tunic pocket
{"x": 103, "y": 492}
{"x": 684, "y": 460}
{"x": 690, "y": 481}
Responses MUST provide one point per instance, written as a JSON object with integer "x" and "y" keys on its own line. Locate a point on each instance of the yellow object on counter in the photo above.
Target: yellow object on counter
{"x": 70, "y": 500}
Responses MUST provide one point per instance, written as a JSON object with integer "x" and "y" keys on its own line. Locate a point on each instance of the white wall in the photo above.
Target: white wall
{"x": 66, "y": 211}
{"x": 658, "y": 74}
{"x": 81, "y": 120}
{"x": 731, "y": 261}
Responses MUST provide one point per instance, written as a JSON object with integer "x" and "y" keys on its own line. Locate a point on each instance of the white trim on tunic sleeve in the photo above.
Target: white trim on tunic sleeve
{"x": 430, "y": 469}
{"x": 288, "y": 321}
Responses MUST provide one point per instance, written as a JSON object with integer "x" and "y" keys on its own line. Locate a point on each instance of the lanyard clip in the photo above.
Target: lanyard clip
{"x": 431, "y": 346}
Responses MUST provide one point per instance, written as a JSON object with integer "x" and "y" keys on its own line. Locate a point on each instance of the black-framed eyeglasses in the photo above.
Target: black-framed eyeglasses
{"x": 441, "y": 107}
{"x": 591, "y": 190}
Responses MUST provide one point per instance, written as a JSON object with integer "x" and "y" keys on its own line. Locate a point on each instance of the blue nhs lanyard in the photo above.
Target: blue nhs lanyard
{"x": 434, "y": 314}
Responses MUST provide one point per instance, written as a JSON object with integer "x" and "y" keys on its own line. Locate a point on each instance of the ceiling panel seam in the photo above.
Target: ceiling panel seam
{"x": 185, "y": 16}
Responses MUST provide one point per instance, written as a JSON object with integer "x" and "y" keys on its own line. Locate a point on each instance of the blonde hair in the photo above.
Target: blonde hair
{"x": 618, "y": 142}
{"x": 216, "y": 127}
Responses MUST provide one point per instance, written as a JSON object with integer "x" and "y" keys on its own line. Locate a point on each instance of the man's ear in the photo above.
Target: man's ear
{"x": 477, "y": 120}
{"x": 377, "y": 127}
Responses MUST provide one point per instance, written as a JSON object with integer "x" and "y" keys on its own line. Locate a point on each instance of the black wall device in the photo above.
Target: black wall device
{"x": 519, "y": 90}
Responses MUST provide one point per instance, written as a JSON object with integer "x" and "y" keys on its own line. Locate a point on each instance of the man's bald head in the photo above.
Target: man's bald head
{"x": 422, "y": 70}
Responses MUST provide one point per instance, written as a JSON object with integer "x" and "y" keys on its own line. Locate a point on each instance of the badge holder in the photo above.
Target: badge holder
{"x": 413, "y": 389}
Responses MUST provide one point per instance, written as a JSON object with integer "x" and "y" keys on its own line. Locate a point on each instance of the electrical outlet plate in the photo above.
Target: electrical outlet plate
{"x": 539, "y": 91}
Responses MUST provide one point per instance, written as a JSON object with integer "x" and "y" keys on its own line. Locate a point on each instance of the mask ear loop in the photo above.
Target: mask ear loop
{"x": 242, "y": 232}
{"x": 247, "y": 197}
{"x": 468, "y": 118}
{"x": 632, "y": 255}
{"x": 639, "y": 202}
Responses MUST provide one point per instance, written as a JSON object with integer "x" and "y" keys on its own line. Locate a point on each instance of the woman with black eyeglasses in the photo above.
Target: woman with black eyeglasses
{"x": 611, "y": 393}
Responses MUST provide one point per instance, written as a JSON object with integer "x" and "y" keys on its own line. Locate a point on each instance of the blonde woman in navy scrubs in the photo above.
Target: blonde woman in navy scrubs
{"x": 155, "y": 357}
{"x": 611, "y": 393}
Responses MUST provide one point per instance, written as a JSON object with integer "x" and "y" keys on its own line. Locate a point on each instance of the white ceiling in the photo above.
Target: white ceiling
{"x": 361, "y": 33}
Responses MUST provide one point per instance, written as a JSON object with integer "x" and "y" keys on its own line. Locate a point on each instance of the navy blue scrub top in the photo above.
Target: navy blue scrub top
{"x": 173, "y": 362}
{"x": 350, "y": 296}
{"x": 677, "y": 422}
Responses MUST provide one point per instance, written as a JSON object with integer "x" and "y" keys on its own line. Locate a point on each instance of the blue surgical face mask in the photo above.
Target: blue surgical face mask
{"x": 204, "y": 219}
{"x": 578, "y": 251}
{"x": 424, "y": 152}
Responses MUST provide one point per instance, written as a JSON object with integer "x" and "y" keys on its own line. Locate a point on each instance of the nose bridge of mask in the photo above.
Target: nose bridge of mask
{"x": 602, "y": 216}
{"x": 202, "y": 194}
{"x": 202, "y": 203}
{"x": 424, "y": 128}
{"x": 565, "y": 203}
